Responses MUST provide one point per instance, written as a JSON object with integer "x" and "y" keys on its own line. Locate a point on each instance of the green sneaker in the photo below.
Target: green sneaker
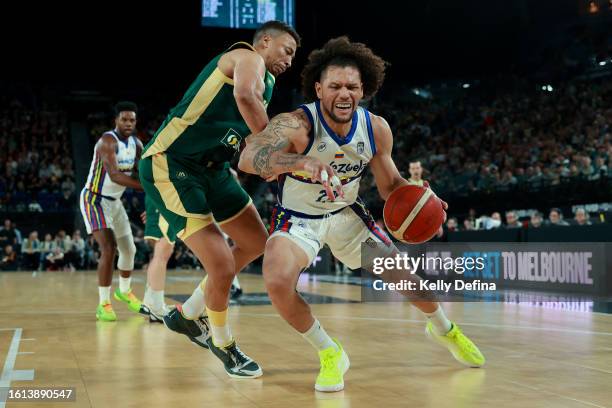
{"x": 105, "y": 312}
{"x": 460, "y": 346}
{"x": 334, "y": 363}
{"x": 133, "y": 303}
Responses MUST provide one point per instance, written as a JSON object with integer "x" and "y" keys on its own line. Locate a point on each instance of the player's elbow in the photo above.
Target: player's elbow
{"x": 113, "y": 177}
{"x": 245, "y": 161}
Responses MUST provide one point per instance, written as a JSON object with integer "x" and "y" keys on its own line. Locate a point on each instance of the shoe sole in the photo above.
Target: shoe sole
{"x": 452, "y": 350}
{"x": 257, "y": 374}
{"x": 337, "y": 387}
{"x": 105, "y": 320}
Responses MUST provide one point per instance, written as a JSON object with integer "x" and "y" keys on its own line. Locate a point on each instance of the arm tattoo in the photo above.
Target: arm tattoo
{"x": 269, "y": 157}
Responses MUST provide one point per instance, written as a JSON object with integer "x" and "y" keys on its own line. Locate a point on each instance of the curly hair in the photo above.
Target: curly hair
{"x": 342, "y": 52}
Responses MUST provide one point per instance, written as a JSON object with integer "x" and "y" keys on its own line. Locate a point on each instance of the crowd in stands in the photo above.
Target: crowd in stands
{"x": 522, "y": 136}
{"x": 61, "y": 251}
{"x": 511, "y": 219}
{"x": 51, "y": 252}
{"x": 36, "y": 168}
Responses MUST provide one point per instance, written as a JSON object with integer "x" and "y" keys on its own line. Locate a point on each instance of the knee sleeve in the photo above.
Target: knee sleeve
{"x": 127, "y": 252}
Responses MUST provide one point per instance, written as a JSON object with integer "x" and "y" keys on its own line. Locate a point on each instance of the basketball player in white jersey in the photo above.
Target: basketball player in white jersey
{"x": 312, "y": 151}
{"x": 114, "y": 167}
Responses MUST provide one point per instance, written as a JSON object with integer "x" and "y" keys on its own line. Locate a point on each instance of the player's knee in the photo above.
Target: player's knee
{"x": 127, "y": 252}
{"x": 222, "y": 267}
{"x": 108, "y": 250}
{"x": 163, "y": 251}
{"x": 277, "y": 277}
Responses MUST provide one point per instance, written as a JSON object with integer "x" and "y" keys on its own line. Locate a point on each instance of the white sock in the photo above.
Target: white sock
{"x": 319, "y": 339}
{"x": 441, "y": 325}
{"x": 154, "y": 299}
{"x": 221, "y": 335}
{"x": 104, "y": 292}
{"x": 124, "y": 284}
{"x": 194, "y": 306}
{"x": 235, "y": 282}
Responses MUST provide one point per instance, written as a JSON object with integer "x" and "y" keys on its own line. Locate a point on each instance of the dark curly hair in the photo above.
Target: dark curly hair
{"x": 342, "y": 52}
{"x": 125, "y": 106}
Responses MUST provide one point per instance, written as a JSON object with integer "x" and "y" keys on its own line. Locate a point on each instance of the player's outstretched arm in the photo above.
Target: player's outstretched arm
{"x": 383, "y": 167}
{"x": 107, "y": 146}
{"x": 274, "y": 151}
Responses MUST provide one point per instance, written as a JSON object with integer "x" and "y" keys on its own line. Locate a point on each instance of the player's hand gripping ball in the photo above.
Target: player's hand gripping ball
{"x": 413, "y": 214}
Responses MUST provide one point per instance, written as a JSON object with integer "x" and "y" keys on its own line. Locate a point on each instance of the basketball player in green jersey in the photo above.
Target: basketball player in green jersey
{"x": 185, "y": 171}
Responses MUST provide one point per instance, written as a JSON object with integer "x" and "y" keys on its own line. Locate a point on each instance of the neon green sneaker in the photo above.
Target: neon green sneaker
{"x": 105, "y": 312}
{"x": 333, "y": 366}
{"x": 459, "y": 345}
{"x": 133, "y": 303}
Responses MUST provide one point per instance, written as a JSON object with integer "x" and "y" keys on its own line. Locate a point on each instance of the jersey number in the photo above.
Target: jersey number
{"x": 323, "y": 197}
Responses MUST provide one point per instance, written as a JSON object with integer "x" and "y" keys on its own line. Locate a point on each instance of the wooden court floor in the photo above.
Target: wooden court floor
{"x": 537, "y": 357}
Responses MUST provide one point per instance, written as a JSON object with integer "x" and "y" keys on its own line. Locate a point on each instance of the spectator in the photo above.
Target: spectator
{"x": 416, "y": 173}
{"x": 18, "y": 237}
{"x": 512, "y": 221}
{"x": 55, "y": 260}
{"x": 47, "y": 247}
{"x": 77, "y": 251}
{"x": 63, "y": 241}
{"x": 452, "y": 225}
{"x": 7, "y": 235}
{"x": 536, "y": 220}
{"x": 582, "y": 217}
{"x": 30, "y": 251}
{"x": 468, "y": 225}
{"x": 555, "y": 218}
{"x": 601, "y": 169}
{"x": 487, "y": 223}
{"x": 9, "y": 259}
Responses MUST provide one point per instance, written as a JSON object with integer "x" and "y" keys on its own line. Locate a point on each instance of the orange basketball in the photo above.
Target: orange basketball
{"x": 413, "y": 214}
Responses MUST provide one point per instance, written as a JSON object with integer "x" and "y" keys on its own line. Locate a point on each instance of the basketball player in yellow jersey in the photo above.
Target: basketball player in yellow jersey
{"x": 312, "y": 151}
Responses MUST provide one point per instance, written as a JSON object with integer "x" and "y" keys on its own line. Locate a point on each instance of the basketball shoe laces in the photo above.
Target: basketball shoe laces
{"x": 328, "y": 366}
{"x": 460, "y": 338}
{"x": 201, "y": 323}
{"x": 237, "y": 356}
{"x": 107, "y": 307}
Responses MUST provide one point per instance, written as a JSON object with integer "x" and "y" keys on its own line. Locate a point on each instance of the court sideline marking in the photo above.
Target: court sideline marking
{"x": 8, "y": 372}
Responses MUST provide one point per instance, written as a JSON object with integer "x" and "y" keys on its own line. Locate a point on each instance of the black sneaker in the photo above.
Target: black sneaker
{"x": 153, "y": 318}
{"x": 235, "y": 292}
{"x": 237, "y": 364}
{"x": 146, "y": 311}
{"x": 197, "y": 330}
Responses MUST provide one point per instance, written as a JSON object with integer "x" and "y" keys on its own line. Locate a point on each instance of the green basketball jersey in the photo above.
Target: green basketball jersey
{"x": 206, "y": 125}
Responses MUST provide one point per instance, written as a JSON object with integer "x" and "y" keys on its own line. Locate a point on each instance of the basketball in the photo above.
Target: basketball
{"x": 413, "y": 214}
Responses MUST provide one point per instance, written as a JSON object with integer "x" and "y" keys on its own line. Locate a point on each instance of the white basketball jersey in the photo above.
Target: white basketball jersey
{"x": 98, "y": 180}
{"x": 349, "y": 156}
